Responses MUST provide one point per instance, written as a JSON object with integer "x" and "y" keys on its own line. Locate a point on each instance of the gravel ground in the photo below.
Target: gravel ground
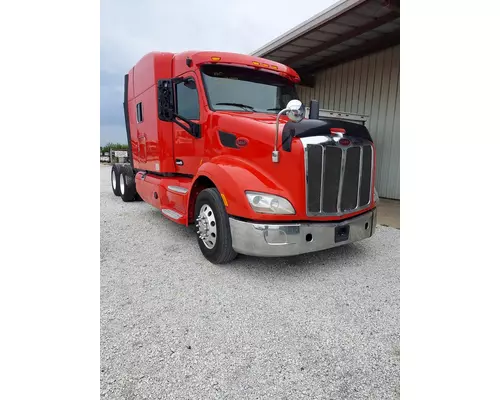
{"x": 174, "y": 326}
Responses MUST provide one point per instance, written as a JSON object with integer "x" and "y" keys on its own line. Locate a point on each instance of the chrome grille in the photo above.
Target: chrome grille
{"x": 338, "y": 178}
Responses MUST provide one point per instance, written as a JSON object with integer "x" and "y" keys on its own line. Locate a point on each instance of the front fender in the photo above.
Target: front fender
{"x": 233, "y": 176}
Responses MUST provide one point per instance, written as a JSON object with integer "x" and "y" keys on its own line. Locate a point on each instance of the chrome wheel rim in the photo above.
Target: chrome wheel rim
{"x": 207, "y": 227}
{"x": 122, "y": 184}
{"x": 113, "y": 180}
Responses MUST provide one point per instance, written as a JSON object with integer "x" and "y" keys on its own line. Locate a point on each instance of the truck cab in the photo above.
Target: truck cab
{"x": 219, "y": 140}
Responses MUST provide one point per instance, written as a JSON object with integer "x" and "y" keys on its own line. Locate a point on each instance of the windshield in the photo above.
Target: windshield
{"x": 244, "y": 89}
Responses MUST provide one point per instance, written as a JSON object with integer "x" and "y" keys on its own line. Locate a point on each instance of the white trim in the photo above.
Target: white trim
{"x": 171, "y": 213}
{"x": 177, "y": 189}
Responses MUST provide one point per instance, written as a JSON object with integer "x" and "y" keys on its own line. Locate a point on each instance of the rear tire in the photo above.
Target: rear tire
{"x": 115, "y": 179}
{"x": 127, "y": 184}
{"x": 209, "y": 204}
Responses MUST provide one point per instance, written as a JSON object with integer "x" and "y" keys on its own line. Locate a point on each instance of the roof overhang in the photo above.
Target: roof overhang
{"x": 347, "y": 30}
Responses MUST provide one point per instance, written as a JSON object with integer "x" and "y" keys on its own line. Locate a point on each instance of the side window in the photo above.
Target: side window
{"x": 138, "y": 112}
{"x": 187, "y": 100}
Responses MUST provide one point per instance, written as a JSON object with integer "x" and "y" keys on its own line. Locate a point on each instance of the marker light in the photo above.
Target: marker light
{"x": 215, "y": 58}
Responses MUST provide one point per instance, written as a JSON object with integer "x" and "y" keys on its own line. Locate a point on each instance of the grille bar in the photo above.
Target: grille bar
{"x": 341, "y": 181}
{"x": 366, "y": 179}
{"x": 350, "y": 181}
{"x": 360, "y": 175}
{"x": 314, "y": 166}
{"x": 321, "y": 196}
{"x": 333, "y": 161}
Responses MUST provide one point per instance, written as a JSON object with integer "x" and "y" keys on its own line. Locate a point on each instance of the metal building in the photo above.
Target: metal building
{"x": 348, "y": 60}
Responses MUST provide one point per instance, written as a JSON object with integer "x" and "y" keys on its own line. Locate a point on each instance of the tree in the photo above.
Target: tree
{"x": 114, "y": 146}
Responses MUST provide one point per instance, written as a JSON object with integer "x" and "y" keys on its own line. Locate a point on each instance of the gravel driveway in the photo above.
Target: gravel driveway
{"x": 174, "y": 326}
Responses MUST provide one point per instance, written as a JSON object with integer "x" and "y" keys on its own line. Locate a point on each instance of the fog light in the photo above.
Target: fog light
{"x": 275, "y": 236}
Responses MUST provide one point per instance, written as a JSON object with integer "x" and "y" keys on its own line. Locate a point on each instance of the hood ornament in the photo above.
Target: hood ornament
{"x": 338, "y": 133}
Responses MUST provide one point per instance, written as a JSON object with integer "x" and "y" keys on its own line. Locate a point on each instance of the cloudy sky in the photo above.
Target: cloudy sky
{"x": 130, "y": 29}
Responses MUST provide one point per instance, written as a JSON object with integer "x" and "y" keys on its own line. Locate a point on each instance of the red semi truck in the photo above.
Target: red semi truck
{"x": 219, "y": 140}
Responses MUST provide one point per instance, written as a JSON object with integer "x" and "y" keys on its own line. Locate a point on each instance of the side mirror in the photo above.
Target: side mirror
{"x": 165, "y": 100}
{"x": 166, "y": 105}
{"x": 295, "y": 110}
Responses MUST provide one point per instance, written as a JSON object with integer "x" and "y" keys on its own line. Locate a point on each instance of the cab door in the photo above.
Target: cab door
{"x": 188, "y": 148}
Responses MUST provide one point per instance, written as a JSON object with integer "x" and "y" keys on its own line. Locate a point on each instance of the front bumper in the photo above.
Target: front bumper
{"x": 279, "y": 240}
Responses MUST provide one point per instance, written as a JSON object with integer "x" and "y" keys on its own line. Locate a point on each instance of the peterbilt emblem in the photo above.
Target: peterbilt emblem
{"x": 241, "y": 142}
{"x": 344, "y": 142}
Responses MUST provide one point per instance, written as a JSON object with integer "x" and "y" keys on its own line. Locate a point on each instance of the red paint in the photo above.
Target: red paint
{"x": 157, "y": 144}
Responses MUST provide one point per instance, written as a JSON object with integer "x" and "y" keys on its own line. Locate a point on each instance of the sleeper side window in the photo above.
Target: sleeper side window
{"x": 188, "y": 106}
{"x": 138, "y": 112}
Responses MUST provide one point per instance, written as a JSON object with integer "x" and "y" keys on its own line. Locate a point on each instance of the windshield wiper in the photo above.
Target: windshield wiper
{"x": 274, "y": 109}
{"x": 236, "y": 105}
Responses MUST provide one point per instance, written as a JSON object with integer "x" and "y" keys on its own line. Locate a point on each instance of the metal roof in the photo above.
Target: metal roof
{"x": 347, "y": 30}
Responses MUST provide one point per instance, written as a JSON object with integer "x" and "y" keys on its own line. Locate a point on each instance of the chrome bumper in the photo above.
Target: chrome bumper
{"x": 279, "y": 240}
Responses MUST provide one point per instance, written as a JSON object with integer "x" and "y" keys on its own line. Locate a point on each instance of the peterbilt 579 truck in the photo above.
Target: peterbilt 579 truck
{"x": 219, "y": 140}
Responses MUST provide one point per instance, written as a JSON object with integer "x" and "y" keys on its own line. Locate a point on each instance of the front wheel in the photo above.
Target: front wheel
{"x": 214, "y": 233}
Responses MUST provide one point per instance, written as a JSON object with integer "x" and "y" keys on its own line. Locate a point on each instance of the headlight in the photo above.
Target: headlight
{"x": 269, "y": 203}
{"x": 376, "y": 197}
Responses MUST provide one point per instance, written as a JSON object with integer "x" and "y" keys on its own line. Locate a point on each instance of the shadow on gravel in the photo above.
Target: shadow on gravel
{"x": 339, "y": 257}
{"x": 331, "y": 258}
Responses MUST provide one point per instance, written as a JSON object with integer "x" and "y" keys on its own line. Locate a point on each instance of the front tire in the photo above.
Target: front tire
{"x": 214, "y": 232}
{"x": 115, "y": 179}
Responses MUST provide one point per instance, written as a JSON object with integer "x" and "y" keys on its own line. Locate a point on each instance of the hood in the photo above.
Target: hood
{"x": 256, "y": 126}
